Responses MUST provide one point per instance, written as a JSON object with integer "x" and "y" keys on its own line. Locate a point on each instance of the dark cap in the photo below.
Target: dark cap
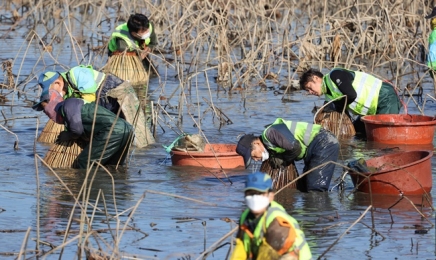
{"x": 432, "y": 15}
{"x": 244, "y": 148}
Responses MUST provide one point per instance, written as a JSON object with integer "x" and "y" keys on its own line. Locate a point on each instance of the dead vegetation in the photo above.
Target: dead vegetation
{"x": 241, "y": 44}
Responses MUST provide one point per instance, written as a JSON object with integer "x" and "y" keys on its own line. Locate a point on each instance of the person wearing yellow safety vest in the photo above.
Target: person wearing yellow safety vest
{"x": 284, "y": 142}
{"x": 80, "y": 82}
{"x": 137, "y": 35}
{"x": 431, "y": 57}
{"x": 266, "y": 230}
{"x": 365, "y": 94}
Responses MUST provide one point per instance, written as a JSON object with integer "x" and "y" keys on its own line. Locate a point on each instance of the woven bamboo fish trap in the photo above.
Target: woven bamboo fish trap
{"x": 50, "y": 132}
{"x": 282, "y": 176}
{"x": 340, "y": 125}
{"x": 127, "y": 66}
{"x": 64, "y": 154}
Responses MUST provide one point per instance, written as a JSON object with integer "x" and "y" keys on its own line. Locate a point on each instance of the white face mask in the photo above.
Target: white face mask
{"x": 257, "y": 203}
{"x": 145, "y": 36}
{"x": 265, "y": 155}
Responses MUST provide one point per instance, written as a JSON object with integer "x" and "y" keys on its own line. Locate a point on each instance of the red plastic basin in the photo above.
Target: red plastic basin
{"x": 214, "y": 156}
{"x": 400, "y": 129}
{"x": 403, "y": 172}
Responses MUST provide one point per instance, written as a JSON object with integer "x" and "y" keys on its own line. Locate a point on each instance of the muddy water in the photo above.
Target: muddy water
{"x": 166, "y": 227}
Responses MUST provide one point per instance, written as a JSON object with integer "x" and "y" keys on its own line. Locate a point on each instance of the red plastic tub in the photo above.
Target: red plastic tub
{"x": 214, "y": 156}
{"x": 403, "y": 172}
{"x": 400, "y": 129}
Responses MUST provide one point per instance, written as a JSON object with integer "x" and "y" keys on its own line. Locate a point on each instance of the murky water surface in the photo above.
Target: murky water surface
{"x": 167, "y": 227}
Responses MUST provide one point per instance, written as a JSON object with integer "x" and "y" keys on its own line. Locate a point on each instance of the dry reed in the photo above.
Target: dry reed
{"x": 127, "y": 66}
{"x": 64, "y": 154}
{"x": 50, "y": 132}
{"x": 240, "y": 41}
{"x": 340, "y": 125}
{"x": 282, "y": 176}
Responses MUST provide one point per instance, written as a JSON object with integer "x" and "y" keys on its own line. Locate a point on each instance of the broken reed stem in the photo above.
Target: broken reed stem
{"x": 24, "y": 245}
{"x": 216, "y": 244}
{"x": 50, "y": 132}
{"x": 180, "y": 197}
{"x": 346, "y": 231}
{"x": 127, "y": 66}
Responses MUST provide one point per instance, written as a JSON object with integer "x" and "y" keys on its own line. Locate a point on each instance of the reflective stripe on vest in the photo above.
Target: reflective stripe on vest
{"x": 367, "y": 88}
{"x": 258, "y": 234}
{"x": 303, "y": 132}
{"x": 122, "y": 31}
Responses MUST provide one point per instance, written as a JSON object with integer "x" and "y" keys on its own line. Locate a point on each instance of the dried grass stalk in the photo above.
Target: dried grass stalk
{"x": 127, "y": 66}
{"x": 340, "y": 125}
{"x": 281, "y": 176}
{"x": 50, "y": 132}
{"x": 64, "y": 154}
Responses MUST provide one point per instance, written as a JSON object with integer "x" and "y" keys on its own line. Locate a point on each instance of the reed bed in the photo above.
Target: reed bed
{"x": 64, "y": 154}
{"x": 240, "y": 44}
{"x": 282, "y": 176}
{"x": 50, "y": 132}
{"x": 127, "y": 66}
{"x": 339, "y": 124}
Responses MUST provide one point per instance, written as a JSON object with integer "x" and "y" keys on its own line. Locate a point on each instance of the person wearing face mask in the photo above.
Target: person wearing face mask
{"x": 365, "y": 94}
{"x": 284, "y": 142}
{"x": 266, "y": 230}
{"x": 431, "y": 57}
{"x": 107, "y": 90}
{"x": 137, "y": 35}
{"x": 111, "y": 135}
{"x": 81, "y": 82}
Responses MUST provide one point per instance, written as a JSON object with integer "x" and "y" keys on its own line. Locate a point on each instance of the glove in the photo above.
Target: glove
{"x": 276, "y": 162}
{"x": 329, "y": 108}
{"x": 64, "y": 137}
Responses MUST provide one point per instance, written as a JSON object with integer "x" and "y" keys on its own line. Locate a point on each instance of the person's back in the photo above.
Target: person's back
{"x": 110, "y": 134}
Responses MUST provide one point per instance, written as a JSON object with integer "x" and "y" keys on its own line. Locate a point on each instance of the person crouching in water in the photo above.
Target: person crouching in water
{"x": 287, "y": 141}
{"x": 266, "y": 230}
{"x": 111, "y": 135}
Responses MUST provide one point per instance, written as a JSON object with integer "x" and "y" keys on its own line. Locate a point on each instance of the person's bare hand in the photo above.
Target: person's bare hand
{"x": 145, "y": 52}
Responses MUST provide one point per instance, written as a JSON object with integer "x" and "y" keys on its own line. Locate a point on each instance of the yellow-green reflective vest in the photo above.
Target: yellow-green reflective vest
{"x": 367, "y": 88}
{"x": 122, "y": 31}
{"x": 303, "y": 132}
{"x": 251, "y": 245}
{"x": 83, "y": 91}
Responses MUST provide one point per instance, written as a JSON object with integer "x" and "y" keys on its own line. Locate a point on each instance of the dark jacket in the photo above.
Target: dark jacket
{"x": 79, "y": 120}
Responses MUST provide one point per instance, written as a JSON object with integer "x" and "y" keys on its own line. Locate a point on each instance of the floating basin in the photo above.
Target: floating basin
{"x": 214, "y": 156}
{"x": 406, "y": 172}
{"x": 400, "y": 129}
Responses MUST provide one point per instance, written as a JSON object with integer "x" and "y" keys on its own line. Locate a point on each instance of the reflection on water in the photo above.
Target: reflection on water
{"x": 161, "y": 224}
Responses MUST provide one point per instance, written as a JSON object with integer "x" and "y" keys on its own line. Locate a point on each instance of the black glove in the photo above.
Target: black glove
{"x": 275, "y": 162}
{"x": 329, "y": 108}
{"x": 64, "y": 137}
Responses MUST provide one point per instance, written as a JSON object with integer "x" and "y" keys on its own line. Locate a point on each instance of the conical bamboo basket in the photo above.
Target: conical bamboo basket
{"x": 50, "y": 132}
{"x": 282, "y": 176}
{"x": 340, "y": 126}
{"x": 64, "y": 154}
{"x": 127, "y": 66}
